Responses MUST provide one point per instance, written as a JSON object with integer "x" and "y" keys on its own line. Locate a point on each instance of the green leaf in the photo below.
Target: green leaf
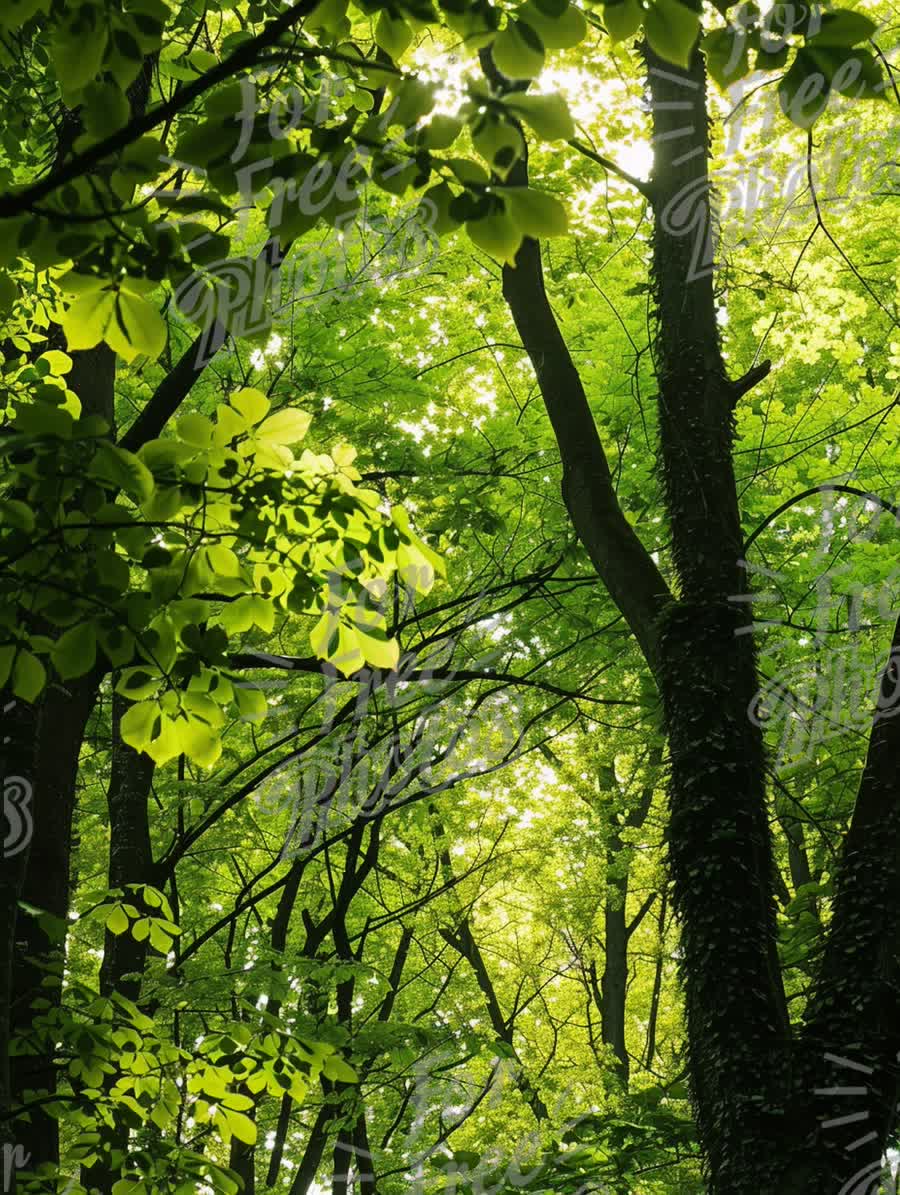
{"x": 159, "y": 939}
{"x": 123, "y": 469}
{"x": 622, "y": 19}
{"x": 117, "y": 922}
{"x": 75, "y": 651}
{"x": 136, "y": 726}
{"x": 14, "y": 13}
{"x": 16, "y": 514}
{"x": 852, "y": 72}
{"x": 441, "y": 131}
{"x": 434, "y": 210}
{"x": 77, "y": 49}
{"x": 40, "y": 419}
{"x": 58, "y": 363}
{"x": 548, "y": 115}
{"x": 380, "y": 653}
{"x": 28, "y": 676}
{"x": 128, "y": 323}
{"x": 223, "y": 560}
{"x": 557, "y": 32}
{"x": 241, "y": 1126}
{"x": 772, "y": 60}
{"x": 726, "y": 55}
{"x": 143, "y": 159}
{"x": 87, "y": 319}
{"x": 803, "y": 92}
{"x": 672, "y": 30}
{"x": 327, "y": 15}
{"x": 412, "y": 100}
{"x": 498, "y": 235}
{"x": 468, "y": 171}
{"x": 9, "y": 292}
{"x": 393, "y": 35}
{"x": 138, "y": 327}
{"x": 140, "y": 931}
{"x": 251, "y": 703}
{"x": 198, "y": 742}
{"x": 118, "y": 644}
{"x": 535, "y": 212}
{"x": 287, "y": 426}
{"x": 7, "y": 655}
{"x": 337, "y": 1069}
{"x": 251, "y": 403}
{"x": 104, "y": 109}
{"x": 499, "y": 143}
{"x": 842, "y": 27}
{"x": 138, "y": 683}
{"x": 196, "y": 430}
{"x": 518, "y": 52}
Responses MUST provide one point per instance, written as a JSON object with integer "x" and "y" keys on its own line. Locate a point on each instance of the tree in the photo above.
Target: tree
{"x": 91, "y": 241}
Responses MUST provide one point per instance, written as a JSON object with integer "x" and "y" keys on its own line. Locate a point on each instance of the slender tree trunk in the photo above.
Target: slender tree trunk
{"x": 613, "y": 986}
{"x": 653, "y": 1018}
{"x": 130, "y": 862}
{"x": 130, "y": 855}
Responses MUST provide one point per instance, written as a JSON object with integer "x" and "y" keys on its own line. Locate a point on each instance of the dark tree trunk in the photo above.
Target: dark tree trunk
{"x": 17, "y": 742}
{"x": 130, "y": 855}
{"x": 39, "y": 949}
{"x": 612, "y": 996}
{"x": 719, "y": 845}
{"x": 58, "y": 728}
{"x": 760, "y": 1091}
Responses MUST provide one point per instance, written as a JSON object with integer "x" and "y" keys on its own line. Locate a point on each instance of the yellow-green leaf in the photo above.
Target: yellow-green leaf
{"x": 392, "y": 35}
{"x": 138, "y": 327}
{"x": 622, "y": 19}
{"x": 287, "y": 426}
{"x": 241, "y": 1126}
{"x": 559, "y": 32}
{"x": 497, "y": 234}
{"x": 535, "y": 212}
{"x": 136, "y": 726}
{"x": 29, "y": 676}
{"x": 117, "y": 921}
{"x": 75, "y": 651}
{"x": 672, "y": 30}
{"x": 336, "y": 1068}
{"x": 251, "y": 403}
{"x": 548, "y": 115}
{"x": 518, "y": 52}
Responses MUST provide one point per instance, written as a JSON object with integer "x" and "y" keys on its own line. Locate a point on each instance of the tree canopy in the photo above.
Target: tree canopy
{"x": 448, "y": 605}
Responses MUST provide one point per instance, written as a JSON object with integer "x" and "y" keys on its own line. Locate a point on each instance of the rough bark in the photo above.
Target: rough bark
{"x": 57, "y": 724}
{"x": 611, "y": 991}
{"x": 17, "y": 773}
{"x": 59, "y": 730}
{"x": 130, "y": 855}
{"x": 720, "y": 852}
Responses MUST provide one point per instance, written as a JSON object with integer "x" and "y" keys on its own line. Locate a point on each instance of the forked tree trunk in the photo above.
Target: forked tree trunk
{"x": 761, "y": 1091}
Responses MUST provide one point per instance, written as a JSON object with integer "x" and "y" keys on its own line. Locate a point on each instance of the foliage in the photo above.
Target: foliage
{"x": 390, "y": 762}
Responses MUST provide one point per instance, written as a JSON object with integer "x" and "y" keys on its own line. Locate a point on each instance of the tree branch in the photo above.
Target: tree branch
{"x": 14, "y": 203}
{"x": 645, "y": 188}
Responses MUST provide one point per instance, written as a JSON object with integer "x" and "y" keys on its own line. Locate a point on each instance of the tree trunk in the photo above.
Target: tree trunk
{"x": 17, "y": 772}
{"x": 720, "y": 851}
{"x": 130, "y": 855}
